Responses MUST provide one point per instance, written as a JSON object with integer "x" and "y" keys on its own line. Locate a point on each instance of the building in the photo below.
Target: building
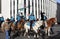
{"x": 5, "y": 8}
{"x": 8, "y": 8}
{"x": 13, "y": 7}
{"x": 36, "y": 6}
{"x": 58, "y": 13}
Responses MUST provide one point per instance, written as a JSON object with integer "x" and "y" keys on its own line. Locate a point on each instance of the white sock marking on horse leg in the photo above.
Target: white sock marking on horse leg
{"x": 28, "y": 36}
{"x": 49, "y": 31}
{"x": 34, "y": 35}
{"x": 37, "y": 36}
{"x": 46, "y": 31}
{"x": 24, "y": 34}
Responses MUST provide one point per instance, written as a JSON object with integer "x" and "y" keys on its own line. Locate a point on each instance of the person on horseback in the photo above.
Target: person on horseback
{"x": 42, "y": 15}
{"x": 1, "y": 20}
{"x": 43, "y": 18}
{"x": 18, "y": 18}
{"x": 12, "y": 19}
{"x": 32, "y": 19}
{"x": 12, "y": 23}
{"x": 21, "y": 15}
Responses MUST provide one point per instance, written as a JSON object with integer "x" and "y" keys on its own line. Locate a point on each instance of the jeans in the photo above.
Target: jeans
{"x": 7, "y": 34}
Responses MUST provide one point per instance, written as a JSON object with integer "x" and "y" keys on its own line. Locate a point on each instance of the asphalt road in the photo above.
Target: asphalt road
{"x": 56, "y": 34}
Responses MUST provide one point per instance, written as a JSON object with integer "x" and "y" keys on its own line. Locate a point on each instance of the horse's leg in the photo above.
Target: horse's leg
{"x": 34, "y": 28}
{"x": 46, "y": 30}
{"x": 36, "y": 32}
{"x": 18, "y": 31}
{"x": 26, "y": 32}
{"x": 49, "y": 31}
{"x": 36, "y": 35}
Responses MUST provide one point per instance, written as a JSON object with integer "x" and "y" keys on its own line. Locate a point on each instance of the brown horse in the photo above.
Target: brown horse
{"x": 49, "y": 24}
{"x": 12, "y": 26}
{"x": 20, "y": 24}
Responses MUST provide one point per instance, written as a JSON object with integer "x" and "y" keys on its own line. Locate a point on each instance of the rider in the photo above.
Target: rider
{"x": 21, "y": 15}
{"x": 18, "y": 18}
{"x": 43, "y": 18}
{"x": 12, "y": 19}
{"x": 1, "y": 20}
{"x": 42, "y": 15}
{"x": 32, "y": 19}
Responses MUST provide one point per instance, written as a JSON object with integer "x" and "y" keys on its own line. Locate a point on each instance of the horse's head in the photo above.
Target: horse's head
{"x": 22, "y": 21}
{"x": 53, "y": 21}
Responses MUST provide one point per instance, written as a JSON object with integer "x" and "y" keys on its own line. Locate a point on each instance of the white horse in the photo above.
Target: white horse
{"x": 35, "y": 27}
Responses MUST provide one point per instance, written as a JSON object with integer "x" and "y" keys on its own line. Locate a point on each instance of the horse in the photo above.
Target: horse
{"x": 49, "y": 23}
{"x": 12, "y": 26}
{"x": 35, "y": 27}
{"x": 20, "y": 26}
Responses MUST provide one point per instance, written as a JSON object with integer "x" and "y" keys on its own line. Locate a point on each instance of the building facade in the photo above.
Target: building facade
{"x": 5, "y": 8}
{"x": 36, "y": 6}
{"x": 13, "y": 7}
{"x": 58, "y": 13}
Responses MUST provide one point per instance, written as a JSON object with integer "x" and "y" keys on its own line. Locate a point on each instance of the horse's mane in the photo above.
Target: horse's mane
{"x": 50, "y": 21}
{"x": 21, "y": 21}
{"x": 12, "y": 24}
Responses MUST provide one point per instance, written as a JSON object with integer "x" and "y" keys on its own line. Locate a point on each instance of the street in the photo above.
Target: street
{"x": 56, "y": 34}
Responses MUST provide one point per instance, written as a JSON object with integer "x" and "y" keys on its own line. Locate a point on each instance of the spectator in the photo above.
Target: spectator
{"x": 6, "y": 28}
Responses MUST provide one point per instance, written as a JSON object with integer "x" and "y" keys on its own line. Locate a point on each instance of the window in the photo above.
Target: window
{"x": 0, "y": 6}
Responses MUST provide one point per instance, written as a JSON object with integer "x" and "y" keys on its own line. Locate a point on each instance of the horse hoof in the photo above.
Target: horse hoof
{"x": 36, "y": 38}
{"x": 51, "y": 32}
{"x": 28, "y": 36}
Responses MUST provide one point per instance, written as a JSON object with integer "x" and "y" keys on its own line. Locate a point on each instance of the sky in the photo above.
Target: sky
{"x": 58, "y": 1}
